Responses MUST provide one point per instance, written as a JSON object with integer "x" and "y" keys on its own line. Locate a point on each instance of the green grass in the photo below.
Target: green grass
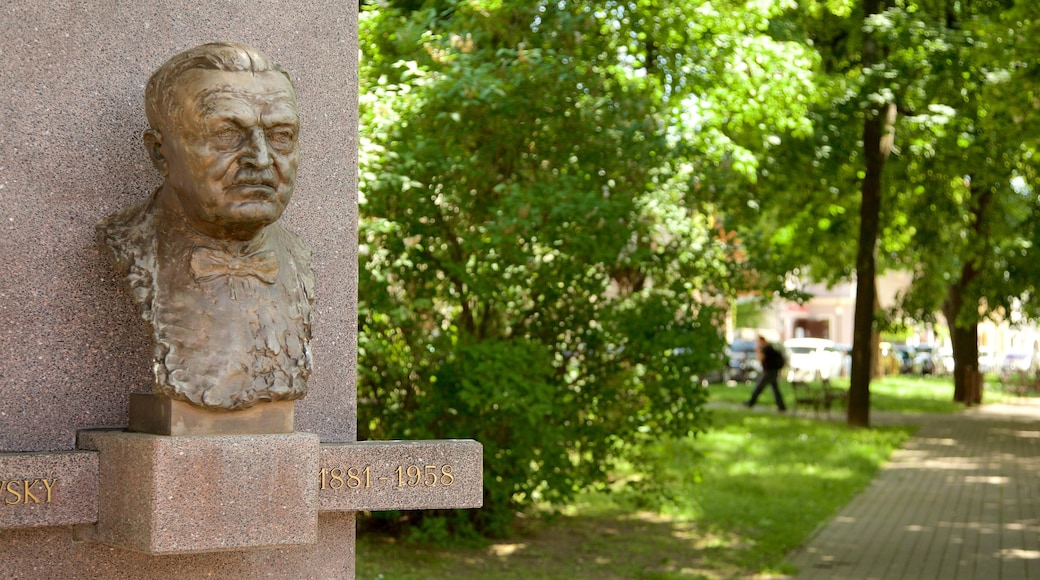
{"x": 728, "y": 504}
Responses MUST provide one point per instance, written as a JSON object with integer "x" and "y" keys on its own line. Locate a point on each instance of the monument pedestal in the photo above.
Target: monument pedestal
{"x": 171, "y": 495}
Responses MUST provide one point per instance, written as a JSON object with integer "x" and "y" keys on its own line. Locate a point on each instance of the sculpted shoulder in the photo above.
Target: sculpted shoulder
{"x": 129, "y": 238}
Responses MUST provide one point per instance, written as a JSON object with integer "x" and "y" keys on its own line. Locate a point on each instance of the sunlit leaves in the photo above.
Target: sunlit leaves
{"x": 532, "y": 275}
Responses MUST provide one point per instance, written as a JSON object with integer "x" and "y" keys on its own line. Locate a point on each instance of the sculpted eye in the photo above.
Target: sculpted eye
{"x": 227, "y": 137}
{"x": 281, "y": 138}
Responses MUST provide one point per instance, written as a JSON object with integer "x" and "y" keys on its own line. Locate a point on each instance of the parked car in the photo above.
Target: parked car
{"x": 988, "y": 360}
{"x": 945, "y": 361}
{"x": 743, "y": 361}
{"x": 812, "y": 359}
{"x": 1022, "y": 362}
{"x": 926, "y": 359}
{"x": 907, "y": 357}
{"x": 846, "y": 358}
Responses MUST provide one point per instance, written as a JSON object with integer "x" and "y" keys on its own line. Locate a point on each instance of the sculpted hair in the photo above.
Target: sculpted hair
{"x": 159, "y": 102}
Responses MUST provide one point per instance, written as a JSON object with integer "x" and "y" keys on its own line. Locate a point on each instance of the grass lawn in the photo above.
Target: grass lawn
{"x": 729, "y": 504}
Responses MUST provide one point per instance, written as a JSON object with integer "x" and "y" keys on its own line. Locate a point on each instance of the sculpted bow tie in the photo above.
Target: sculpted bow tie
{"x": 209, "y": 264}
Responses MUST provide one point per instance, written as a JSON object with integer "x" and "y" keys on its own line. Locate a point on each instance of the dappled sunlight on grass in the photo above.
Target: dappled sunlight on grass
{"x": 730, "y": 503}
{"x": 766, "y": 480}
{"x": 618, "y": 545}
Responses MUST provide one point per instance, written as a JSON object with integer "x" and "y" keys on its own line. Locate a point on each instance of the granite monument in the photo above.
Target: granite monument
{"x": 224, "y": 287}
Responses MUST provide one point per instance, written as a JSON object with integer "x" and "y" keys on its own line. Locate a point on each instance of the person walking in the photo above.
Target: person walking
{"x": 772, "y": 361}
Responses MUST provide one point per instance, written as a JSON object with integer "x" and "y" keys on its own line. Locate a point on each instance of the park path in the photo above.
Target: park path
{"x": 960, "y": 501}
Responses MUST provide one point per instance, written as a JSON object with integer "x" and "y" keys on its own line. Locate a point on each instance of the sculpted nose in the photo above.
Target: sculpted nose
{"x": 257, "y": 152}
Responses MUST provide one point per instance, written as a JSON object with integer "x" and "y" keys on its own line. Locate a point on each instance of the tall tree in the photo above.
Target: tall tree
{"x": 878, "y": 135}
{"x": 542, "y": 265}
{"x": 970, "y": 179}
{"x": 956, "y": 207}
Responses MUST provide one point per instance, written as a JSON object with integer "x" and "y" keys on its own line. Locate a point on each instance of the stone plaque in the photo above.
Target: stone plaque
{"x": 401, "y": 475}
{"x": 171, "y": 495}
{"x": 48, "y": 489}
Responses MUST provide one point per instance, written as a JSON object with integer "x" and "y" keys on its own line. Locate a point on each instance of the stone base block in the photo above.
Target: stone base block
{"x": 171, "y": 495}
{"x": 151, "y": 413}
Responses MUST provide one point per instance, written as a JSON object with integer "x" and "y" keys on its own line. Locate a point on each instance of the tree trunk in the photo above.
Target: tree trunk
{"x": 967, "y": 380}
{"x": 866, "y": 273}
{"x": 878, "y": 133}
{"x": 876, "y": 370}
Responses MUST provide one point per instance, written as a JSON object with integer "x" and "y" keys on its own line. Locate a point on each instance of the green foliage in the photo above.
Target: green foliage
{"x": 959, "y": 205}
{"x": 531, "y": 276}
{"x": 973, "y": 165}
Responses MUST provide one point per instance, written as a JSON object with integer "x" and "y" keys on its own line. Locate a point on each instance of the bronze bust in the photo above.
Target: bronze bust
{"x": 225, "y": 288}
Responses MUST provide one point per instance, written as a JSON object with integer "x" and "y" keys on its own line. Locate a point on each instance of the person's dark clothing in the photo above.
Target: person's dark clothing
{"x": 772, "y": 362}
{"x": 772, "y": 358}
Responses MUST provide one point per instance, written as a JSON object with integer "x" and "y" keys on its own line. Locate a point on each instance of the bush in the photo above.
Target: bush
{"x": 530, "y": 274}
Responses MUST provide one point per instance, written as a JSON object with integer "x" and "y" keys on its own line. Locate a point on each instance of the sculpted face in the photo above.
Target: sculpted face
{"x": 230, "y": 155}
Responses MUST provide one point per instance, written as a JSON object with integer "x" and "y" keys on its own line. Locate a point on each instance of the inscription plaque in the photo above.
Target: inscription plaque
{"x": 48, "y": 489}
{"x": 400, "y": 475}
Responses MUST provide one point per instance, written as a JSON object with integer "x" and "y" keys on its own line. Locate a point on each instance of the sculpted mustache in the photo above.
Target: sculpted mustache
{"x": 268, "y": 179}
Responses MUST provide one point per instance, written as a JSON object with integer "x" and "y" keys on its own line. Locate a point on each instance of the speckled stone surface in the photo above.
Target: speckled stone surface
{"x": 62, "y": 489}
{"x": 170, "y": 495}
{"x": 36, "y": 553}
{"x": 401, "y": 475}
{"x": 72, "y": 78}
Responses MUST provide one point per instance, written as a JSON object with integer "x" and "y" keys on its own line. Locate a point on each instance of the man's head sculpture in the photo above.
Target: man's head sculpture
{"x": 224, "y": 137}
{"x": 226, "y": 290}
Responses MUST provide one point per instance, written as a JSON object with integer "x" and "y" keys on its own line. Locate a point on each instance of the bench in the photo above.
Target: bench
{"x": 818, "y": 397}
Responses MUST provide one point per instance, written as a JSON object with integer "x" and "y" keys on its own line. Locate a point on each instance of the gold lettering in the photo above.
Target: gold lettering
{"x": 337, "y": 478}
{"x": 48, "y": 485}
{"x": 26, "y": 487}
{"x": 414, "y": 475}
{"x": 11, "y": 490}
{"x": 334, "y": 478}
{"x": 353, "y": 478}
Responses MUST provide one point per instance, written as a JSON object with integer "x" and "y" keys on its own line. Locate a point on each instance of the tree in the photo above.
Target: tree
{"x": 824, "y": 187}
{"x": 975, "y": 252}
{"x": 531, "y": 276}
{"x": 955, "y": 208}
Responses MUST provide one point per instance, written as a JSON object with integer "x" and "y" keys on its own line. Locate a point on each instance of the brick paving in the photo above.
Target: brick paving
{"x": 960, "y": 501}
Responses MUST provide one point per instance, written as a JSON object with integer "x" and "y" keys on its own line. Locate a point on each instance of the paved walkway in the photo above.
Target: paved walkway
{"x": 960, "y": 501}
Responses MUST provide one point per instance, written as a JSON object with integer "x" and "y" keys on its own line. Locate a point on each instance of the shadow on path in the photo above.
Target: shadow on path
{"x": 960, "y": 501}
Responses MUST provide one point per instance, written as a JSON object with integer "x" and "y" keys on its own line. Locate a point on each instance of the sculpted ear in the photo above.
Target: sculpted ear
{"x": 153, "y": 144}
